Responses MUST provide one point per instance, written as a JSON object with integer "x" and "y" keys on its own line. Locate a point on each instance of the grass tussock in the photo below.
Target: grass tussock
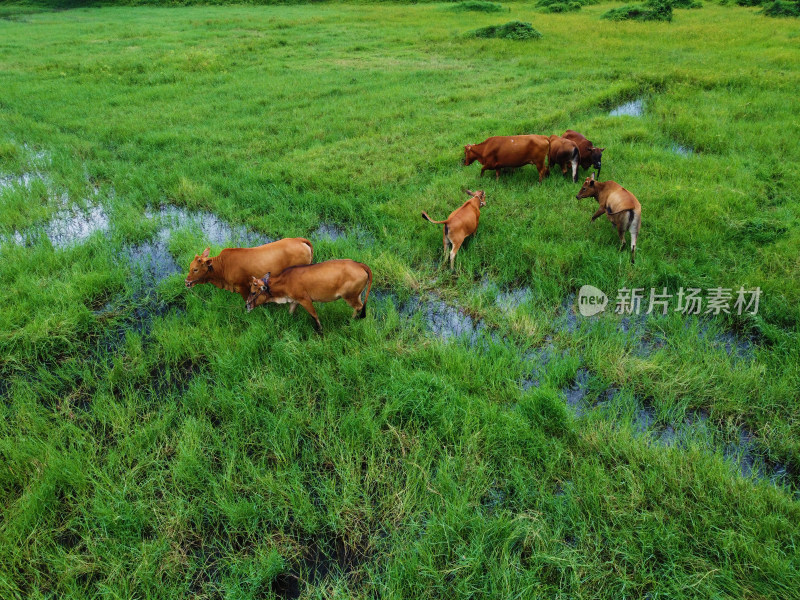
{"x": 513, "y": 30}
{"x": 653, "y": 10}
{"x": 477, "y": 6}
{"x": 560, "y": 6}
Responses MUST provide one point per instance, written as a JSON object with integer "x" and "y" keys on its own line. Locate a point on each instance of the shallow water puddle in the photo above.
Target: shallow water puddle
{"x": 681, "y": 150}
{"x": 695, "y": 428}
{"x": 634, "y": 108}
{"x": 332, "y": 233}
{"x": 444, "y": 321}
{"x": 214, "y": 230}
{"x": 73, "y": 226}
{"x": 152, "y": 259}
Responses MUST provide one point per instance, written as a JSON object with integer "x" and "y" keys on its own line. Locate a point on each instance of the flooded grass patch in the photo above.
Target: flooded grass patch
{"x": 634, "y": 108}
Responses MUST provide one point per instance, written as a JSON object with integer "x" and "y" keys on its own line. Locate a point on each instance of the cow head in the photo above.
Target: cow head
{"x": 199, "y": 269}
{"x": 597, "y": 155}
{"x": 588, "y": 189}
{"x": 469, "y": 155}
{"x": 480, "y": 195}
{"x": 259, "y": 292}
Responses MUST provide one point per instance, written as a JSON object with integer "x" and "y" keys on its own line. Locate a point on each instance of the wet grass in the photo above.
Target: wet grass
{"x": 474, "y": 436}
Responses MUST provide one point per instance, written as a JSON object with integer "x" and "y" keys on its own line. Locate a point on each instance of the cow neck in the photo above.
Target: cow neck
{"x": 217, "y": 264}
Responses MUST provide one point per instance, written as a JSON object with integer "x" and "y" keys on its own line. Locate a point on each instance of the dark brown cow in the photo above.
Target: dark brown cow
{"x": 232, "y": 268}
{"x": 620, "y": 206}
{"x": 509, "y": 151}
{"x": 461, "y": 223}
{"x": 590, "y": 156}
{"x": 564, "y": 152}
{"x": 323, "y": 282}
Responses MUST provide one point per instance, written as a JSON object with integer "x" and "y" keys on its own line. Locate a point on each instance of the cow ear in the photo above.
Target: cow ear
{"x": 592, "y": 177}
{"x": 601, "y": 149}
{"x": 205, "y": 253}
{"x": 469, "y": 192}
{"x": 265, "y": 279}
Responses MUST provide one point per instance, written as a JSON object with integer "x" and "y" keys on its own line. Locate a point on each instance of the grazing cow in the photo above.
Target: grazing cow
{"x": 562, "y": 153}
{"x": 232, "y": 268}
{"x": 621, "y": 207}
{"x": 323, "y": 282}
{"x": 590, "y": 156}
{"x": 509, "y": 151}
{"x": 461, "y": 223}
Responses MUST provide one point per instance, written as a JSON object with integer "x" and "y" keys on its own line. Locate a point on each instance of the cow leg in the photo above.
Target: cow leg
{"x": 637, "y": 221}
{"x": 454, "y": 251}
{"x": 444, "y": 238}
{"x": 354, "y": 300}
{"x": 497, "y": 174}
{"x": 482, "y": 170}
{"x": 309, "y": 306}
{"x": 292, "y": 306}
{"x": 621, "y": 233}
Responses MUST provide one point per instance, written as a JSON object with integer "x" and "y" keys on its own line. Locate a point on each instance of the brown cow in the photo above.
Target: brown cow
{"x": 461, "y": 223}
{"x": 509, "y": 151}
{"x": 232, "y": 268}
{"x": 323, "y": 282}
{"x": 590, "y": 156}
{"x": 621, "y": 207}
{"x": 562, "y": 153}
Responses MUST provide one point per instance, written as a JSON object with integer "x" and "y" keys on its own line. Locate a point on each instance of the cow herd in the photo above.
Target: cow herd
{"x": 282, "y": 272}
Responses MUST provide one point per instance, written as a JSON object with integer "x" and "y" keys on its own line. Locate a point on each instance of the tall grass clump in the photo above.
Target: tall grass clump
{"x": 654, "y": 10}
{"x": 513, "y": 30}
{"x": 477, "y": 6}
{"x": 560, "y": 6}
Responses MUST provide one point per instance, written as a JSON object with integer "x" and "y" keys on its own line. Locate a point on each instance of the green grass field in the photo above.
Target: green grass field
{"x": 161, "y": 442}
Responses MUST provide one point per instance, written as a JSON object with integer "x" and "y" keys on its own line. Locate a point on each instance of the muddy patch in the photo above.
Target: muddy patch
{"x": 634, "y": 108}
{"x": 322, "y": 559}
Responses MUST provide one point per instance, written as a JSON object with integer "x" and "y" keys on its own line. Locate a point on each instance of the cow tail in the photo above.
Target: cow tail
{"x": 631, "y": 216}
{"x": 310, "y": 247}
{"x": 425, "y": 216}
{"x": 363, "y": 312}
{"x": 576, "y": 154}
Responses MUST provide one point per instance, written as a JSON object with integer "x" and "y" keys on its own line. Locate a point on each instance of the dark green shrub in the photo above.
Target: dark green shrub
{"x": 477, "y": 6}
{"x": 781, "y": 8}
{"x": 559, "y": 6}
{"x": 654, "y": 10}
{"x": 513, "y": 30}
{"x": 686, "y": 4}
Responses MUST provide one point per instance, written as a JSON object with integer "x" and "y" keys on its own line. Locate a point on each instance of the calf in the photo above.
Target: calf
{"x": 562, "y": 153}
{"x": 509, "y": 151}
{"x": 232, "y": 268}
{"x": 323, "y": 282}
{"x": 461, "y": 223}
{"x": 620, "y": 206}
{"x": 590, "y": 156}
